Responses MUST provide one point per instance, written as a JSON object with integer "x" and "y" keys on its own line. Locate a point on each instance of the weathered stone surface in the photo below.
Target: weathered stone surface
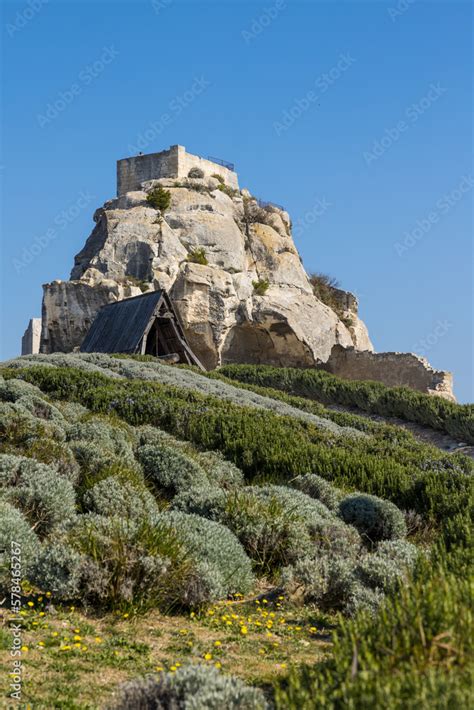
{"x": 393, "y": 369}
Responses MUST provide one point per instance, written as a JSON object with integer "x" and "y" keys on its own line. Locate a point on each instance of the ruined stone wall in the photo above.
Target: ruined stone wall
{"x": 172, "y": 163}
{"x": 392, "y": 369}
{"x": 131, "y": 172}
{"x": 30, "y": 342}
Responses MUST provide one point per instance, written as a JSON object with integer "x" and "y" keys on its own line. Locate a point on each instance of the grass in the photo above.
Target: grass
{"x": 75, "y": 659}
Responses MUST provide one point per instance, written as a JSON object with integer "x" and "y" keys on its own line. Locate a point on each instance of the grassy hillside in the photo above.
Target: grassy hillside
{"x": 173, "y": 525}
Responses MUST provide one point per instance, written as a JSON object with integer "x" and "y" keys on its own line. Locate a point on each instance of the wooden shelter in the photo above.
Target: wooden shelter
{"x": 144, "y": 325}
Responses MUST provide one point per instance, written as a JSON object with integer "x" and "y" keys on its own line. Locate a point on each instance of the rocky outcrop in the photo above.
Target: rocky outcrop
{"x": 236, "y": 279}
{"x": 393, "y": 369}
{"x": 250, "y": 300}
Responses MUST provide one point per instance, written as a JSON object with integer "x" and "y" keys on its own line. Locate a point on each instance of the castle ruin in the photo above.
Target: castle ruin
{"x": 172, "y": 163}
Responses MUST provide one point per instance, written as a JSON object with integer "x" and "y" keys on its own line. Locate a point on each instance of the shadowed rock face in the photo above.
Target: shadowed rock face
{"x": 225, "y": 317}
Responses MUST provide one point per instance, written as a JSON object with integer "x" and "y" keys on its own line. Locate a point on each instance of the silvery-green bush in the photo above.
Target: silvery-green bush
{"x": 168, "y": 469}
{"x": 207, "y": 501}
{"x": 58, "y": 569}
{"x": 224, "y": 566}
{"x": 112, "y": 496}
{"x": 125, "y": 561}
{"x": 193, "y": 687}
{"x": 375, "y": 519}
{"x": 12, "y": 390}
{"x": 46, "y": 498}
{"x": 318, "y": 488}
{"x": 219, "y": 471}
{"x": 388, "y": 565}
{"x": 15, "y": 531}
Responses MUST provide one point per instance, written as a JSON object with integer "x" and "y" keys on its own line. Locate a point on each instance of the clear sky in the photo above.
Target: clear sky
{"x": 356, "y": 116}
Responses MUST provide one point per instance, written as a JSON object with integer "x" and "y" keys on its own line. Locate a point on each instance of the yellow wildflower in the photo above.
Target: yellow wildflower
{"x": 77, "y": 638}
{"x": 243, "y": 630}
{"x": 24, "y": 648}
{"x": 218, "y": 664}
{"x": 208, "y": 656}
{"x": 31, "y": 603}
{"x": 217, "y": 643}
{"x": 98, "y": 639}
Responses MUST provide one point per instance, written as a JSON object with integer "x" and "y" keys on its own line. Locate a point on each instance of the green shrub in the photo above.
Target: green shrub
{"x": 272, "y": 446}
{"x": 15, "y": 533}
{"x": 219, "y": 178}
{"x": 228, "y": 190}
{"x": 374, "y": 518}
{"x": 317, "y": 487}
{"x": 113, "y": 496}
{"x": 58, "y": 569}
{"x": 130, "y": 563}
{"x": 219, "y": 471}
{"x": 194, "y": 687}
{"x": 159, "y": 198}
{"x": 198, "y": 256}
{"x": 206, "y": 501}
{"x": 414, "y": 653}
{"x": 196, "y": 173}
{"x": 261, "y": 286}
{"x": 223, "y": 568}
{"x": 45, "y": 498}
{"x": 169, "y": 470}
{"x": 373, "y": 397}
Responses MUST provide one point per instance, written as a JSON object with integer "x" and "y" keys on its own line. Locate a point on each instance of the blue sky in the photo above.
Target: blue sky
{"x": 356, "y": 116}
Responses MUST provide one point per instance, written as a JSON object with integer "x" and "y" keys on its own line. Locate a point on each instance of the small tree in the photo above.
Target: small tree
{"x": 159, "y": 198}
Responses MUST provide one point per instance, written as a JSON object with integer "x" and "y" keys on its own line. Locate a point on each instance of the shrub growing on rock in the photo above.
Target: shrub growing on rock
{"x": 159, "y": 198}
{"x": 375, "y": 519}
{"x": 198, "y": 256}
{"x": 193, "y": 687}
{"x": 196, "y": 173}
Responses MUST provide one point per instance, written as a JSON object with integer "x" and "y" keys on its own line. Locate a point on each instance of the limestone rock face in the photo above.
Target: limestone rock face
{"x": 249, "y": 301}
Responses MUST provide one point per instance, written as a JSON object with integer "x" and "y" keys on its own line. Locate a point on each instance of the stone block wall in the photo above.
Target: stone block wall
{"x": 172, "y": 163}
{"x": 30, "y": 342}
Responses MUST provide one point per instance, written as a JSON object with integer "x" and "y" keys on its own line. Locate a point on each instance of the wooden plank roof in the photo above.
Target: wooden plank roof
{"x": 119, "y": 327}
